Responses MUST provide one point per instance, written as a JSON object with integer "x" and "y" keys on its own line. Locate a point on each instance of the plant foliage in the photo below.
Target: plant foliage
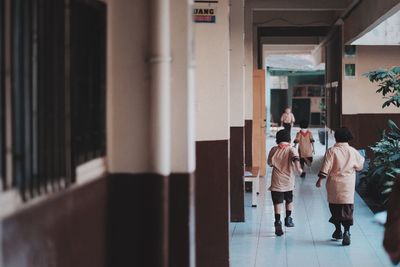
{"x": 385, "y": 167}
{"x": 389, "y": 84}
{"x": 382, "y": 171}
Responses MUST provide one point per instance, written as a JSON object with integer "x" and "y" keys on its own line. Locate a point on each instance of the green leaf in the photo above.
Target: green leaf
{"x": 394, "y": 157}
{"x": 396, "y": 70}
{"x": 387, "y": 191}
{"x": 396, "y": 170}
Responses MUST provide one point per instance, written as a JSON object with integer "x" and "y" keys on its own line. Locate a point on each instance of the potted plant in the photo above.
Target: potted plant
{"x": 385, "y": 167}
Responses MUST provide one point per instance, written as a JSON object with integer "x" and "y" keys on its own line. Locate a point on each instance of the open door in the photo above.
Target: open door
{"x": 259, "y": 121}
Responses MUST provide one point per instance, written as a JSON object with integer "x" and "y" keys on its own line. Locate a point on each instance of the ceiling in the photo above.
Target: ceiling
{"x": 312, "y": 18}
{"x": 295, "y": 26}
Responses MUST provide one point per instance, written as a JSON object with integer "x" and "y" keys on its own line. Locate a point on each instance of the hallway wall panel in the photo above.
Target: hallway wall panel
{"x": 248, "y": 137}
{"x": 367, "y": 128}
{"x": 236, "y": 174}
{"x": 65, "y": 230}
{"x": 368, "y": 58}
{"x": 212, "y": 207}
{"x": 237, "y": 108}
{"x": 212, "y": 45}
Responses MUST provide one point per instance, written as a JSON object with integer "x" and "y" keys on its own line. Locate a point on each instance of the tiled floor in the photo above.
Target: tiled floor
{"x": 253, "y": 243}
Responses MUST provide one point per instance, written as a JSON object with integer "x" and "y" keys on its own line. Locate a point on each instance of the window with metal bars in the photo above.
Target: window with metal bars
{"x": 2, "y": 96}
{"x": 58, "y": 91}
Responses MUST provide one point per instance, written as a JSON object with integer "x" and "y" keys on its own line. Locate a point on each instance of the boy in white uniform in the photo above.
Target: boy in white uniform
{"x": 283, "y": 158}
{"x": 339, "y": 168}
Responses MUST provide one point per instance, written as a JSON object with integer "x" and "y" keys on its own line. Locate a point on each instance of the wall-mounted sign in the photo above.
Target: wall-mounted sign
{"x": 205, "y": 11}
{"x": 204, "y": 15}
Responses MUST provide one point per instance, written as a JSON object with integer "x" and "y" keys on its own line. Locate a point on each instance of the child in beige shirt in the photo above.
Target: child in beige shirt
{"x": 283, "y": 158}
{"x": 305, "y": 140}
{"x": 339, "y": 168}
{"x": 287, "y": 119}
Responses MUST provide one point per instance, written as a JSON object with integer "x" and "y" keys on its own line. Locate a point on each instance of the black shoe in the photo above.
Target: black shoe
{"x": 346, "y": 238}
{"x": 278, "y": 228}
{"x": 337, "y": 234}
{"x": 289, "y": 222}
{"x": 303, "y": 175}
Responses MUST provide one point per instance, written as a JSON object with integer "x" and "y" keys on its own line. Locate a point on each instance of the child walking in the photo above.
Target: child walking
{"x": 305, "y": 140}
{"x": 283, "y": 158}
{"x": 339, "y": 168}
{"x": 287, "y": 119}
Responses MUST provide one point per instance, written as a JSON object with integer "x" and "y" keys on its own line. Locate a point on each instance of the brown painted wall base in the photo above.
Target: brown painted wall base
{"x": 181, "y": 219}
{"x": 65, "y": 230}
{"x": 116, "y": 221}
{"x": 367, "y": 128}
{"x": 236, "y": 174}
{"x": 212, "y": 207}
{"x": 248, "y": 143}
{"x": 137, "y": 221}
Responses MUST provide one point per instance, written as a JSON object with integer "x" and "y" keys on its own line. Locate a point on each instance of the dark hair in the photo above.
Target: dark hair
{"x": 304, "y": 124}
{"x": 283, "y": 136}
{"x": 343, "y": 135}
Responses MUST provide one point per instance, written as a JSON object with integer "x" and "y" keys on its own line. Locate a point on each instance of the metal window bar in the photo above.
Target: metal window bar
{"x": 58, "y": 92}
{"x": 2, "y": 101}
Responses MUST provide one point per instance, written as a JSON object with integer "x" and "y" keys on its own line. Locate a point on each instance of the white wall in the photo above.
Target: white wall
{"x": 248, "y": 53}
{"x": 182, "y": 88}
{"x": 359, "y": 94}
{"x": 212, "y": 76}
{"x": 128, "y": 86}
{"x": 237, "y": 82}
{"x": 150, "y": 121}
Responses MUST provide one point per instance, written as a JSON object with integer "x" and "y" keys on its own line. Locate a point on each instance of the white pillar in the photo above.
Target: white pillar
{"x": 182, "y": 88}
{"x": 160, "y": 63}
{"x": 128, "y": 131}
{"x": 237, "y": 63}
{"x": 212, "y": 76}
{"x": 248, "y": 46}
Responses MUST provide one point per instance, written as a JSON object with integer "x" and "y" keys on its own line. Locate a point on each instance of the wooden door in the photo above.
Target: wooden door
{"x": 259, "y": 121}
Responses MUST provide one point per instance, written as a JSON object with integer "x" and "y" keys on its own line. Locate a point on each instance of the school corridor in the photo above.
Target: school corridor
{"x": 308, "y": 244}
{"x": 129, "y": 127}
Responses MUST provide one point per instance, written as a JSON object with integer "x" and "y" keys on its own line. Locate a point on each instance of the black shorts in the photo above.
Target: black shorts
{"x": 303, "y": 161}
{"x": 341, "y": 213}
{"x": 278, "y": 197}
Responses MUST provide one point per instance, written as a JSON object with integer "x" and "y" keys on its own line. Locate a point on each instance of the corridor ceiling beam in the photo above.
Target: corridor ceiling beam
{"x": 293, "y": 31}
{"x": 276, "y": 40}
{"x": 356, "y": 24}
{"x": 304, "y": 5}
{"x": 294, "y": 18}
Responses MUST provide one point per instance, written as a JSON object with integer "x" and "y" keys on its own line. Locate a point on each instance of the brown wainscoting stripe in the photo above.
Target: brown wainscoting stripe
{"x": 236, "y": 174}
{"x": 137, "y": 220}
{"x": 248, "y": 143}
{"x": 65, "y": 230}
{"x": 181, "y": 219}
{"x": 367, "y": 128}
{"x": 212, "y": 203}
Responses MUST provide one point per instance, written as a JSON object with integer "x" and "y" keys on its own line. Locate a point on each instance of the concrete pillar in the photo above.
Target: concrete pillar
{"x": 181, "y": 184}
{"x": 212, "y": 135}
{"x": 138, "y": 125}
{"x": 237, "y": 110}
{"x": 248, "y": 53}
